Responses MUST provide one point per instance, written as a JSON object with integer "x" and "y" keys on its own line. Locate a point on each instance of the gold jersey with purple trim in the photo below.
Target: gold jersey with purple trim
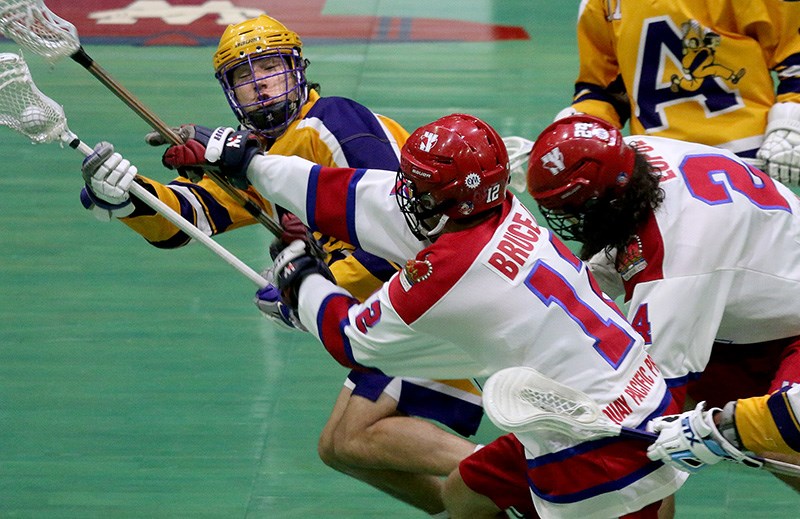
{"x": 336, "y": 132}
{"x": 694, "y": 71}
{"x": 770, "y": 423}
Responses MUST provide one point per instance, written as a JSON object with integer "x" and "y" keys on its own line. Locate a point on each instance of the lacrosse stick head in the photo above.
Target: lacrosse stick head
{"x": 24, "y": 108}
{"x": 519, "y": 149}
{"x": 520, "y": 399}
{"x": 37, "y": 29}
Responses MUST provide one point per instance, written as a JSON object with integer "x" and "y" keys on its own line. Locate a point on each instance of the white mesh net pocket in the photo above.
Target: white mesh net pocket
{"x": 551, "y": 402}
{"x": 521, "y": 400}
{"x": 23, "y": 107}
{"x": 37, "y": 29}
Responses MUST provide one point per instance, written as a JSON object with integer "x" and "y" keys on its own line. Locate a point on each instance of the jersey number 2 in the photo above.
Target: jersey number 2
{"x": 703, "y": 174}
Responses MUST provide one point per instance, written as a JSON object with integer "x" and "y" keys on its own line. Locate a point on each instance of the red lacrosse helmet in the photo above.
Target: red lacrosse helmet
{"x": 454, "y": 167}
{"x": 576, "y": 159}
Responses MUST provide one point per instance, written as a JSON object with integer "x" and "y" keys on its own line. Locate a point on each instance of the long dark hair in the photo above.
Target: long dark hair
{"x": 611, "y": 222}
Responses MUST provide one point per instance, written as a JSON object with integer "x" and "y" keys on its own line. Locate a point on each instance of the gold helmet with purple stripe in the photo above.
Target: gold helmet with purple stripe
{"x": 260, "y": 65}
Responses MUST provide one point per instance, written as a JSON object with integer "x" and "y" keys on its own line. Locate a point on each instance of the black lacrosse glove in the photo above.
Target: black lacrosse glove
{"x": 224, "y": 149}
{"x": 294, "y": 264}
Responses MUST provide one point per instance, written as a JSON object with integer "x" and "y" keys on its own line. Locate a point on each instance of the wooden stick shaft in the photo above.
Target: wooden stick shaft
{"x": 155, "y": 122}
{"x": 167, "y": 212}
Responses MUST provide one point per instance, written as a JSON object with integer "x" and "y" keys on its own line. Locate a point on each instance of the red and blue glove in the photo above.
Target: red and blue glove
{"x": 224, "y": 149}
{"x": 294, "y": 264}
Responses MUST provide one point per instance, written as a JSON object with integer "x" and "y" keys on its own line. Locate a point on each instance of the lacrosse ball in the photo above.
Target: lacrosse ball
{"x": 33, "y": 119}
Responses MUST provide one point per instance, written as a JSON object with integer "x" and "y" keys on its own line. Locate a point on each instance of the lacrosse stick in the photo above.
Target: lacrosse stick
{"x": 25, "y": 109}
{"x": 37, "y": 29}
{"x": 520, "y": 399}
{"x": 519, "y": 149}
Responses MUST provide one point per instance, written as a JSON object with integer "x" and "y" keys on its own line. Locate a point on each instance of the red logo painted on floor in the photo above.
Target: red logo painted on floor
{"x": 201, "y": 22}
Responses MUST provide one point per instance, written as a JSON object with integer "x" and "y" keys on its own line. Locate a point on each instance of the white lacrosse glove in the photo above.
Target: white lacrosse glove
{"x": 780, "y": 151}
{"x": 519, "y": 149}
{"x": 604, "y": 270}
{"x": 108, "y": 178}
{"x": 690, "y": 440}
{"x": 269, "y": 301}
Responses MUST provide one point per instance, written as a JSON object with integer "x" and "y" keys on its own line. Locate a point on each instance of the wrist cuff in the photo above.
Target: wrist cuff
{"x": 99, "y": 202}
{"x": 783, "y": 116}
{"x": 727, "y": 425}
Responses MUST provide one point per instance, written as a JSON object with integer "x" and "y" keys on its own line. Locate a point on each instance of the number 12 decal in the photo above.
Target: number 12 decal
{"x": 493, "y": 193}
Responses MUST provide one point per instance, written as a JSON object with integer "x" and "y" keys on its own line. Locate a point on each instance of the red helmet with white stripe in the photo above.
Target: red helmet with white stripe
{"x": 578, "y": 158}
{"x": 575, "y": 161}
{"x": 455, "y": 167}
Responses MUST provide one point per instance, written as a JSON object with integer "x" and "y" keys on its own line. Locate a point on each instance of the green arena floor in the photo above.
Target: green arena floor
{"x": 141, "y": 383}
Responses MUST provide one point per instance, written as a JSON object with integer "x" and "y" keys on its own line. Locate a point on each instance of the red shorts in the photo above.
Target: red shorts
{"x": 743, "y": 370}
{"x": 499, "y": 471}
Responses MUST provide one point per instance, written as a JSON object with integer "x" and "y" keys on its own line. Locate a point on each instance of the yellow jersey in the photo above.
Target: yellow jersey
{"x": 688, "y": 70}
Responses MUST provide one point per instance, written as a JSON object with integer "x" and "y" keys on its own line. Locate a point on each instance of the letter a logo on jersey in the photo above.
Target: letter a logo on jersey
{"x": 553, "y": 161}
{"x": 678, "y": 65}
{"x": 428, "y": 141}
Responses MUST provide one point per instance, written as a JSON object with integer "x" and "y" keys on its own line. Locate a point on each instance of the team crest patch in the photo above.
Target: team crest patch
{"x": 414, "y": 272}
{"x": 472, "y": 181}
{"x": 466, "y": 208}
{"x": 631, "y": 261}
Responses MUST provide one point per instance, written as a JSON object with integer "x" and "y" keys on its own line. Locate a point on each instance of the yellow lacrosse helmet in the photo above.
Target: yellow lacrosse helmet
{"x": 253, "y": 36}
{"x": 246, "y": 43}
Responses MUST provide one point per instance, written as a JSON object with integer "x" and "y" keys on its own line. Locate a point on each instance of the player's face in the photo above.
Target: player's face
{"x": 262, "y": 82}
{"x": 417, "y": 208}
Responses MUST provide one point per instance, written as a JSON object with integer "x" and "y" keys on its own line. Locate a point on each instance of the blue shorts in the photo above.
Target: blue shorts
{"x": 454, "y": 403}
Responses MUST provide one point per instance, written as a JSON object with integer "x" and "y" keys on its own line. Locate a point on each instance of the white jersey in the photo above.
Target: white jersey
{"x": 505, "y": 293}
{"x": 718, "y": 260}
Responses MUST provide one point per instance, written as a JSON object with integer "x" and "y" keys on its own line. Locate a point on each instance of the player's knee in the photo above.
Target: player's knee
{"x": 326, "y": 450}
{"x": 359, "y": 434}
{"x": 341, "y": 450}
{"x": 667, "y": 508}
{"x": 333, "y": 450}
{"x": 462, "y": 502}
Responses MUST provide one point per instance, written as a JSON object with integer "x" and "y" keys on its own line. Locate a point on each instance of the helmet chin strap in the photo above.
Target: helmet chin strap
{"x": 269, "y": 118}
{"x": 439, "y": 226}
